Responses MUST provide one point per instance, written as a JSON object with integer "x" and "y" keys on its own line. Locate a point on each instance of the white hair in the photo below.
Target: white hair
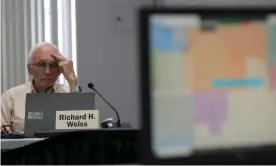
{"x": 36, "y": 47}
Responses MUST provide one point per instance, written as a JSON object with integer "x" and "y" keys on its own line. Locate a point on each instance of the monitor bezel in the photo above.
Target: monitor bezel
{"x": 242, "y": 155}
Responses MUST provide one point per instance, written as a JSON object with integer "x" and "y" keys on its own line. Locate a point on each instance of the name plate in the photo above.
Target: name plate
{"x": 77, "y": 119}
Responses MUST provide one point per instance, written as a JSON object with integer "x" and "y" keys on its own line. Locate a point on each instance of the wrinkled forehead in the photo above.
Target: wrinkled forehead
{"x": 44, "y": 54}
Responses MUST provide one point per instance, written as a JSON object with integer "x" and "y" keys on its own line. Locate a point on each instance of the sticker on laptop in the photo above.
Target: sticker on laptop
{"x": 35, "y": 115}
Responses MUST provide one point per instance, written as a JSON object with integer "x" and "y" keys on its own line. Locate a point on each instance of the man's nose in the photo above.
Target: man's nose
{"x": 47, "y": 70}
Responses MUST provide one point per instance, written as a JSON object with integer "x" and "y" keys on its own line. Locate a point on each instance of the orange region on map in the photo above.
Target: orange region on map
{"x": 221, "y": 54}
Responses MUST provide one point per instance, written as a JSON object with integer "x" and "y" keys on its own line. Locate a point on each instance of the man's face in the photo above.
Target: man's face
{"x": 44, "y": 69}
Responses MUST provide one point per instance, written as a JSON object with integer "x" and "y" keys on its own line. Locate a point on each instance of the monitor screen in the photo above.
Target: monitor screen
{"x": 212, "y": 82}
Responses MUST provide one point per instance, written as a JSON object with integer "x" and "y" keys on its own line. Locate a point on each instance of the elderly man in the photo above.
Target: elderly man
{"x": 45, "y": 65}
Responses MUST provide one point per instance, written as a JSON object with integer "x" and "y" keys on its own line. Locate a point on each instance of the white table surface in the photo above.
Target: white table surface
{"x": 16, "y": 143}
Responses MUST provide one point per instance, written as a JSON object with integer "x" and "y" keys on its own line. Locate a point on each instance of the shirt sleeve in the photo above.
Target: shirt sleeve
{"x": 78, "y": 89}
{"x": 6, "y": 108}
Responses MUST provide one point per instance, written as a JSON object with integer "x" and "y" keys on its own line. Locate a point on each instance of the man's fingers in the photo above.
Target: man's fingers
{"x": 58, "y": 57}
{"x": 60, "y": 64}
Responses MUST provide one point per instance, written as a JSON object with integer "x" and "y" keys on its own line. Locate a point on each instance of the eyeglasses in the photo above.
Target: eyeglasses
{"x": 7, "y": 129}
{"x": 45, "y": 65}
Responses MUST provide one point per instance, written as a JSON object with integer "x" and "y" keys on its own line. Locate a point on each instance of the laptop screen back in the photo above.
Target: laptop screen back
{"x": 40, "y": 112}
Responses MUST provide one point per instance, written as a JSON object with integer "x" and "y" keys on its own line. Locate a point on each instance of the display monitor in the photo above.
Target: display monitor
{"x": 209, "y": 80}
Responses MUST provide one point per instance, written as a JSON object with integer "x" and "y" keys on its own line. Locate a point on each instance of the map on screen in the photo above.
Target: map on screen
{"x": 213, "y": 82}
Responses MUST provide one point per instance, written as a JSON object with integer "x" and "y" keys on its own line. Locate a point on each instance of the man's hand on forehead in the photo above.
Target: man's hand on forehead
{"x": 58, "y": 57}
{"x": 66, "y": 68}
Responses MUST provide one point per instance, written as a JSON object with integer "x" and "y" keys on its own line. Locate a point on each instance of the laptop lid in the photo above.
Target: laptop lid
{"x": 40, "y": 112}
{"x": 208, "y": 85}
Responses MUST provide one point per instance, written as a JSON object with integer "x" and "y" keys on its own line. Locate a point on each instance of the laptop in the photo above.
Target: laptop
{"x": 208, "y": 83}
{"x": 40, "y": 112}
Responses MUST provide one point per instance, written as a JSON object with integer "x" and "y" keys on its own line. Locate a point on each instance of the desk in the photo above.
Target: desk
{"x": 7, "y": 144}
{"x": 79, "y": 147}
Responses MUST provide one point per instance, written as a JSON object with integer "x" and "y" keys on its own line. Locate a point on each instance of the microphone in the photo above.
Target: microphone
{"x": 91, "y": 86}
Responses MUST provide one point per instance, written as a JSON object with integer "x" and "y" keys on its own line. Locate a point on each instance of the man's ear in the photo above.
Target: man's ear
{"x": 29, "y": 67}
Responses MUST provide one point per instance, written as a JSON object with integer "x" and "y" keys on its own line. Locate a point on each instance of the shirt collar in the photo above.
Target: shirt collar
{"x": 51, "y": 89}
